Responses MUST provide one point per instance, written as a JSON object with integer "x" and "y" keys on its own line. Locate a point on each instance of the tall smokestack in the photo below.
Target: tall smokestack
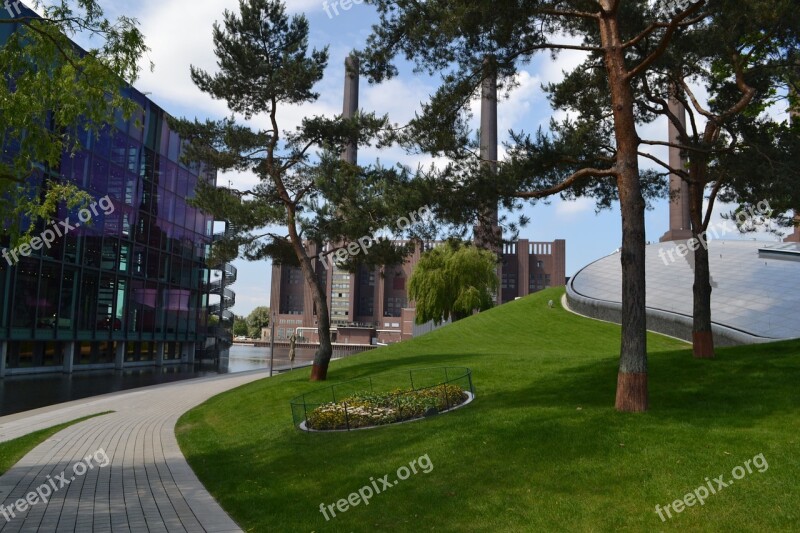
{"x": 680, "y": 225}
{"x": 351, "y": 77}
{"x": 487, "y": 231}
{"x": 794, "y": 116}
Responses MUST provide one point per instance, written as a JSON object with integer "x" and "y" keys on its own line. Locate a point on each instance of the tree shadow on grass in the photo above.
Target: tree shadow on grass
{"x": 736, "y": 388}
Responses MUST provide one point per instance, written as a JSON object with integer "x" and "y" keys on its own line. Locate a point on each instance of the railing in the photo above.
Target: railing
{"x": 219, "y": 287}
{"x": 540, "y": 248}
{"x": 414, "y": 380}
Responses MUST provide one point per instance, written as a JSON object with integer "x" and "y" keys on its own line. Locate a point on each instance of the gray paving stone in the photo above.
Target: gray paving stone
{"x": 147, "y": 485}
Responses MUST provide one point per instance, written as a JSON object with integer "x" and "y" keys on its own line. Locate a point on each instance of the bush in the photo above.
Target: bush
{"x": 366, "y": 409}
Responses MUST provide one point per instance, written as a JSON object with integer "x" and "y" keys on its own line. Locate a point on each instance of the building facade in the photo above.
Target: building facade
{"x": 373, "y": 305}
{"x": 124, "y": 283}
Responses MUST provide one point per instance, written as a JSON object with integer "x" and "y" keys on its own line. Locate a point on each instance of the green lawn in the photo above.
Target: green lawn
{"x": 13, "y": 450}
{"x": 540, "y": 449}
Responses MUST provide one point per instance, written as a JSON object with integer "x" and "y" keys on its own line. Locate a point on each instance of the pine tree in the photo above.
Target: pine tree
{"x": 304, "y": 185}
{"x": 742, "y": 57}
{"x": 624, "y": 39}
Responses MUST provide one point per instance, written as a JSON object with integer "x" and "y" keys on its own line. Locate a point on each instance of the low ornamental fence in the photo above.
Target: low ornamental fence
{"x": 416, "y": 380}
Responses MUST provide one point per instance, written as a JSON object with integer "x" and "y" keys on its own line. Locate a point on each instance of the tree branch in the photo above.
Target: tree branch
{"x": 680, "y": 146}
{"x": 567, "y": 183}
{"x": 677, "y": 172}
{"x": 570, "y": 13}
{"x": 695, "y": 103}
{"x": 671, "y": 28}
{"x": 711, "y": 199}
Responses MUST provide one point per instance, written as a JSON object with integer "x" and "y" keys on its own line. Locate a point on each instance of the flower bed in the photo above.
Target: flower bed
{"x": 367, "y": 409}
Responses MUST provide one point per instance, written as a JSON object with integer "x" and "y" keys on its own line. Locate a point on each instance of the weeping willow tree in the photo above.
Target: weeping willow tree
{"x": 452, "y": 281}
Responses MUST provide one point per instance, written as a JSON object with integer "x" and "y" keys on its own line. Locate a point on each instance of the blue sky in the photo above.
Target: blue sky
{"x": 179, "y": 35}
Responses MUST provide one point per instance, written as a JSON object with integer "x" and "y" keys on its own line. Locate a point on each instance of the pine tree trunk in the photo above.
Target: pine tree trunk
{"x": 319, "y": 371}
{"x": 322, "y": 358}
{"x": 632, "y": 392}
{"x": 702, "y": 336}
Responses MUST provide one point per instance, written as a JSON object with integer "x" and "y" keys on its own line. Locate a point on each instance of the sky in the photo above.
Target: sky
{"x": 178, "y": 33}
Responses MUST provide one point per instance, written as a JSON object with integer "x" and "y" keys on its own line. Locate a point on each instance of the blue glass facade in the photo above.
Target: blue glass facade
{"x": 127, "y": 288}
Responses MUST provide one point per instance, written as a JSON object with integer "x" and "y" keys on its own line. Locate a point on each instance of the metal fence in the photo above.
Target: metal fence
{"x": 418, "y": 379}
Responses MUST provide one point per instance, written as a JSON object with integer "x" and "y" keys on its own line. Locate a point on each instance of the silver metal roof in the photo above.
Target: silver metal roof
{"x": 754, "y": 290}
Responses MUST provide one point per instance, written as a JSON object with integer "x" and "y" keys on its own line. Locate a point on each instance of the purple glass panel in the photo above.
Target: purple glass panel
{"x": 99, "y": 184}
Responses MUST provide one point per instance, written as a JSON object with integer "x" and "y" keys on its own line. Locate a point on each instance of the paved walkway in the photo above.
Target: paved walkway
{"x": 147, "y": 484}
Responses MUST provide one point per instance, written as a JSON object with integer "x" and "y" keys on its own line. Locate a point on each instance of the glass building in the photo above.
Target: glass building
{"x": 124, "y": 283}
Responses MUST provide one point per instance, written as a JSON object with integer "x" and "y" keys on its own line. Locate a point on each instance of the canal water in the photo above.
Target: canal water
{"x": 22, "y": 393}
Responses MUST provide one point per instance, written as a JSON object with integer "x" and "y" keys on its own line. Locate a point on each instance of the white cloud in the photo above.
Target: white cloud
{"x": 570, "y": 210}
{"x": 173, "y": 53}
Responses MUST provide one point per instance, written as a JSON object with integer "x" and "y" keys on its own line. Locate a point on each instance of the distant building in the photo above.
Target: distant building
{"x": 373, "y": 305}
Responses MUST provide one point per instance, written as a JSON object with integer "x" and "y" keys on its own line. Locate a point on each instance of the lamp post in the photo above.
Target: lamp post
{"x": 271, "y": 342}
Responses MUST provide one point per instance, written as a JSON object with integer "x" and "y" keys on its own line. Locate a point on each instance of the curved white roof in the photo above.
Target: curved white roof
{"x": 756, "y": 285}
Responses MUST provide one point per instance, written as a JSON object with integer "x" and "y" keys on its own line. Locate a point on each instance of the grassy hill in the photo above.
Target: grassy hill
{"x": 540, "y": 449}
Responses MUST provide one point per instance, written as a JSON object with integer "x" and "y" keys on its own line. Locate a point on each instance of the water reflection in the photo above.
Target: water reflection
{"x": 244, "y": 358}
{"x": 22, "y": 393}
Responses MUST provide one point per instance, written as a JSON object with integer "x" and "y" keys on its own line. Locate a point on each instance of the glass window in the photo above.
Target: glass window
{"x": 91, "y": 252}
{"x": 101, "y": 144}
{"x": 124, "y": 256}
{"x": 180, "y": 212}
{"x": 116, "y": 182}
{"x": 69, "y": 288}
{"x": 184, "y": 179}
{"x": 100, "y": 172}
{"x": 79, "y": 171}
{"x": 119, "y": 149}
{"x": 106, "y": 352}
{"x": 53, "y": 354}
{"x": 174, "y": 146}
{"x": 133, "y": 158}
{"x": 87, "y": 302}
{"x": 23, "y": 313}
{"x": 110, "y": 254}
{"x": 170, "y": 178}
{"x": 83, "y": 353}
{"x": 22, "y": 354}
{"x": 133, "y": 351}
{"x": 49, "y": 292}
{"x": 71, "y": 247}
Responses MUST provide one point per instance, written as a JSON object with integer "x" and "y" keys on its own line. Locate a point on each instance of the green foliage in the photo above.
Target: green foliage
{"x": 259, "y": 318}
{"x": 240, "y": 328}
{"x": 453, "y": 280}
{"x": 366, "y": 409}
{"x": 56, "y": 95}
{"x": 265, "y": 62}
{"x": 456, "y": 38}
